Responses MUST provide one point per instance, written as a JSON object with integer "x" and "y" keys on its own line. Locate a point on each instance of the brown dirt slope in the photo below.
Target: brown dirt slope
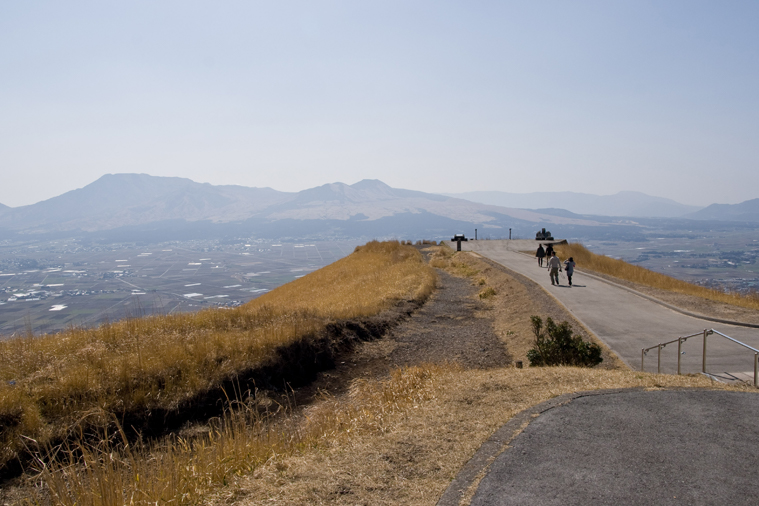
{"x": 456, "y": 355}
{"x": 465, "y": 340}
{"x": 456, "y": 326}
{"x": 453, "y": 327}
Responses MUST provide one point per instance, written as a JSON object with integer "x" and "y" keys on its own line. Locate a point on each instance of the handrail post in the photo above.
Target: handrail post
{"x": 680, "y": 340}
{"x": 658, "y": 367}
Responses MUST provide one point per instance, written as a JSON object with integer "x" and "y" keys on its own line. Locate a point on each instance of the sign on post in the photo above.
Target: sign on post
{"x": 458, "y": 238}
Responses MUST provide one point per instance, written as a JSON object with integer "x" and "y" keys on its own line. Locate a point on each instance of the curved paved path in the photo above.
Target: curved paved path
{"x": 627, "y": 322}
{"x": 624, "y": 447}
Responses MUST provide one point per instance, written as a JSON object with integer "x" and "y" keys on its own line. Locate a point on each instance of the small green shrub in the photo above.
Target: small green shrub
{"x": 487, "y": 292}
{"x": 556, "y": 345}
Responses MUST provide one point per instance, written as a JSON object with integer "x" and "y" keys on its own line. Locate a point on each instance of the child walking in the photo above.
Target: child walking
{"x": 569, "y": 266}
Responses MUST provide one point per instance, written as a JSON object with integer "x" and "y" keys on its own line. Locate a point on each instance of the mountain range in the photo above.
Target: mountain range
{"x": 120, "y": 207}
{"x": 626, "y": 203}
{"x": 745, "y": 211}
{"x": 169, "y": 206}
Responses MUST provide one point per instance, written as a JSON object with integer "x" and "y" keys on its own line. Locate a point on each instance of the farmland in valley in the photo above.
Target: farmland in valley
{"x": 48, "y": 286}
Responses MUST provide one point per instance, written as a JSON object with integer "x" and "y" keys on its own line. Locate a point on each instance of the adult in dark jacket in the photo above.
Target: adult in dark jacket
{"x": 541, "y": 253}
{"x": 549, "y": 250}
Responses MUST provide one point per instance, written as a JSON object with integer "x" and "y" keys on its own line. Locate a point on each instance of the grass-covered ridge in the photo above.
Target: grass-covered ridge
{"x": 585, "y": 259}
{"x": 50, "y": 384}
{"x": 395, "y": 438}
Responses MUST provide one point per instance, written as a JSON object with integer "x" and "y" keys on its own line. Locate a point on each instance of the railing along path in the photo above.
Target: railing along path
{"x": 705, "y": 334}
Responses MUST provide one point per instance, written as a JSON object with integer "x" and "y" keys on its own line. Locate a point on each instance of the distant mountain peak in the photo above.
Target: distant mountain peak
{"x": 744, "y": 211}
{"x": 370, "y": 184}
{"x": 363, "y": 191}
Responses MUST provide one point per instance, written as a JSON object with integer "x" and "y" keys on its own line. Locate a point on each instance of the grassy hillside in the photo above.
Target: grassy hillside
{"x": 585, "y": 259}
{"x": 390, "y": 439}
{"x": 54, "y": 385}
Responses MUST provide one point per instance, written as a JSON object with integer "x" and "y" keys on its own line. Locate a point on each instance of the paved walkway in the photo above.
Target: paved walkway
{"x": 627, "y": 322}
{"x": 621, "y": 447}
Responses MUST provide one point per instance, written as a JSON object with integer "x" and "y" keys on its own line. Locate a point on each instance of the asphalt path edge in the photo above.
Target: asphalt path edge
{"x": 475, "y": 469}
{"x": 670, "y": 306}
{"x": 661, "y": 302}
{"x": 522, "y": 278}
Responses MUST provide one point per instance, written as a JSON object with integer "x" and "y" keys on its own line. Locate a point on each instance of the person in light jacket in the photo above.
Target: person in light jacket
{"x": 554, "y": 267}
{"x": 569, "y": 267}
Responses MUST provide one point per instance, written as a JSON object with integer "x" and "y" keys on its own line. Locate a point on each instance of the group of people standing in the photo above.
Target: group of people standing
{"x": 553, "y": 264}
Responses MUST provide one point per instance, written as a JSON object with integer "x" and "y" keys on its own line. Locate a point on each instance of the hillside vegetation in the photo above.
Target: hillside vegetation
{"x": 587, "y": 260}
{"x": 396, "y": 438}
{"x": 53, "y": 386}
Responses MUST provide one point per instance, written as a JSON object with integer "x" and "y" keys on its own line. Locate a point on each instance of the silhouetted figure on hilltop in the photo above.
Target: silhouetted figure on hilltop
{"x": 541, "y": 253}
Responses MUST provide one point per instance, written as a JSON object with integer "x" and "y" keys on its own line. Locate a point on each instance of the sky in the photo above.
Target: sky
{"x": 438, "y": 96}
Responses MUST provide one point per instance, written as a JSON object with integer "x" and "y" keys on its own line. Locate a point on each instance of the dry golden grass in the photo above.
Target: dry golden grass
{"x": 185, "y": 471}
{"x": 394, "y": 440}
{"x": 398, "y": 440}
{"x": 406, "y": 448}
{"x": 623, "y": 270}
{"x": 363, "y": 284}
{"x": 81, "y": 376}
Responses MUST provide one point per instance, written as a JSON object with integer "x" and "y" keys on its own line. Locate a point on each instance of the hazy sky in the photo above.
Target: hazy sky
{"x": 590, "y": 96}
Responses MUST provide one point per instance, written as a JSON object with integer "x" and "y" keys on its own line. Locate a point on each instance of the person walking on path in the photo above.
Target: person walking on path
{"x": 549, "y": 250}
{"x": 541, "y": 253}
{"x": 554, "y": 267}
{"x": 569, "y": 267}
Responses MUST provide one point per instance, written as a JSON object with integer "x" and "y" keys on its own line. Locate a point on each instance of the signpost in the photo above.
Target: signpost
{"x": 458, "y": 238}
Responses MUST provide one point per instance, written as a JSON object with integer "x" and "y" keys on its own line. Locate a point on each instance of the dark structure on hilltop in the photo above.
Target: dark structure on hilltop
{"x": 543, "y": 235}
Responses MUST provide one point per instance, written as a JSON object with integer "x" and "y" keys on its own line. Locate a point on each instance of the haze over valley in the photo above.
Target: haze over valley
{"x": 141, "y": 207}
{"x": 130, "y": 244}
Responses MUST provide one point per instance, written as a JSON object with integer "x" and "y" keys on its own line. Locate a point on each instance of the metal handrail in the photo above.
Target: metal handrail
{"x": 712, "y": 331}
{"x": 679, "y": 341}
{"x": 705, "y": 333}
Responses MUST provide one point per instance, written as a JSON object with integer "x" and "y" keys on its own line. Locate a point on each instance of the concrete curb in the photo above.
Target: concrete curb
{"x": 498, "y": 443}
{"x": 661, "y": 302}
{"x": 670, "y": 306}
